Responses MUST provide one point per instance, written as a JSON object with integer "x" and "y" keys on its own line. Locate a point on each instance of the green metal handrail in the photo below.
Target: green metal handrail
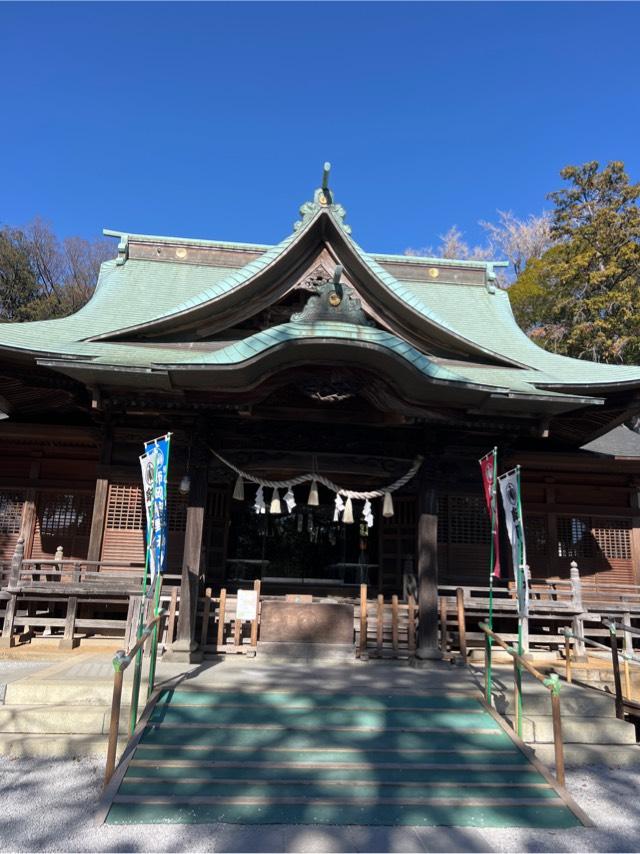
{"x": 121, "y": 661}
{"x": 551, "y": 682}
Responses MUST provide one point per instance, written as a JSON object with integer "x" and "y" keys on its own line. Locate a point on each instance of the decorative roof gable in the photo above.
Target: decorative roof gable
{"x": 175, "y": 313}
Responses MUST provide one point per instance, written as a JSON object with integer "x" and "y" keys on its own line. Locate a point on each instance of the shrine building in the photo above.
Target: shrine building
{"x": 312, "y": 355}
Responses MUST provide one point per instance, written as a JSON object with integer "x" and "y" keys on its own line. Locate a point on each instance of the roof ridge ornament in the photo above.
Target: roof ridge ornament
{"x": 332, "y": 300}
{"x": 322, "y": 199}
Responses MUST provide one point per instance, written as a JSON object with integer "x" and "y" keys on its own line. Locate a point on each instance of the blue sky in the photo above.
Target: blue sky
{"x": 213, "y": 120}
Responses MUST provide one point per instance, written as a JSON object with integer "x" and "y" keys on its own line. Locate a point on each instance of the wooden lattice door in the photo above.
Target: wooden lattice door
{"x": 11, "y": 507}
{"x": 398, "y": 543}
{"x": 601, "y": 546}
{"x": 215, "y": 534}
{"x": 62, "y": 519}
{"x": 124, "y": 537}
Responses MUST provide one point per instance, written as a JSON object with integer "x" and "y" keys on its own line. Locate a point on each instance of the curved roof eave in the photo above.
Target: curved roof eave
{"x": 225, "y": 289}
{"x": 312, "y": 343}
{"x": 418, "y": 322}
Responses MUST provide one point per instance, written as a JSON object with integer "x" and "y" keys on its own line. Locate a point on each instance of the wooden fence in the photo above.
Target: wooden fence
{"x": 220, "y": 631}
{"x": 382, "y": 629}
{"x": 92, "y": 597}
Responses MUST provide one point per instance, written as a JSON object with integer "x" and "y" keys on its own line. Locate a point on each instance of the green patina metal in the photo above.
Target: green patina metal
{"x": 552, "y": 682}
{"x": 153, "y": 295}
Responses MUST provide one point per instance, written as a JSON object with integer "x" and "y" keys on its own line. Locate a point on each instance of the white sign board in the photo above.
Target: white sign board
{"x": 247, "y": 605}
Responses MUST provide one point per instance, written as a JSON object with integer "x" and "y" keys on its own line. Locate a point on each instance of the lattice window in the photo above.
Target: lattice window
{"x": 468, "y": 519}
{"x": 218, "y": 504}
{"x": 125, "y": 510}
{"x": 535, "y": 534}
{"x": 574, "y": 537}
{"x": 613, "y": 537}
{"x": 10, "y": 511}
{"x": 405, "y": 513}
{"x": 176, "y": 509}
{"x": 65, "y": 513}
{"x": 443, "y": 519}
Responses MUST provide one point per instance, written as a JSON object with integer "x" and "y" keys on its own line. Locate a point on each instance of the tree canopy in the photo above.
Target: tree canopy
{"x": 582, "y": 296}
{"x": 43, "y": 277}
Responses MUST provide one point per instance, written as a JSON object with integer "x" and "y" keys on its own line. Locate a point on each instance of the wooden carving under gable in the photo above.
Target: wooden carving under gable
{"x": 328, "y": 301}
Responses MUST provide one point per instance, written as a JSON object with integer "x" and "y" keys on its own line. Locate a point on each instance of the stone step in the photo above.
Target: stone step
{"x": 272, "y": 765}
{"x": 574, "y": 700}
{"x": 58, "y": 719}
{"x": 302, "y": 700}
{"x": 307, "y": 653}
{"x": 582, "y": 755}
{"x": 400, "y": 790}
{"x": 538, "y": 729}
{"x": 531, "y": 813}
{"x": 85, "y": 692}
{"x": 60, "y": 746}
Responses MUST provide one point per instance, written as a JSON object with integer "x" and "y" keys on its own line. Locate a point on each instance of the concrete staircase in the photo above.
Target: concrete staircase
{"x": 591, "y": 732}
{"x": 62, "y": 710}
{"x": 300, "y": 757}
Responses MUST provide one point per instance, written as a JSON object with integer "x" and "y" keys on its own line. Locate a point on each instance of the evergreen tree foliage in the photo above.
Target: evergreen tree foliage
{"x": 18, "y": 283}
{"x": 582, "y": 297}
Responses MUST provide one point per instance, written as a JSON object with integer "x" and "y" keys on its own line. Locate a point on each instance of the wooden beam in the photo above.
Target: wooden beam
{"x": 28, "y": 521}
{"x": 94, "y": 551}
{"x": 427, "y": 548}
{"x": 100, "y": 503}
{"x": 185, "y": 647}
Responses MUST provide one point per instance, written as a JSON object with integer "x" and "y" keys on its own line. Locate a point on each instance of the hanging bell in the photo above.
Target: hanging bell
{"x": 238, "y": 489}
{"x": 313, "y": 501}
{"x": 348, "y": 512}
{"x": 275, "y": 503}
{"x": 387, "y": 505}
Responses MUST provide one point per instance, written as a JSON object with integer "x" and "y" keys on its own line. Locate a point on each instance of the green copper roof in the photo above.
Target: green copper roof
{"x": 475, "y": 321}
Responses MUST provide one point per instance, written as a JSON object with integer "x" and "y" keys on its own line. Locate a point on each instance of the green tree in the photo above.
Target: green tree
{"x": 18, "y": 281}
{"x": 582, "y": 296}
{"x": 42, "y": 277}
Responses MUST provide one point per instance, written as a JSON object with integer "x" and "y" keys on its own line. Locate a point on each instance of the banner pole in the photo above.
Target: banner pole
{"x": 137, "y": 671}
{"x": 489, "y": 680}
{"x": 520, "y": 615}
{"x": 158, "y": 581}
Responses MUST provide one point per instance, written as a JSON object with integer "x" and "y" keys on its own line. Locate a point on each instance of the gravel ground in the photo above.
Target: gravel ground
{"x": 49, "y": 806}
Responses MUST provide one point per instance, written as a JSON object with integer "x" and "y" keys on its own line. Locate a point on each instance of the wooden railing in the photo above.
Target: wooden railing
{"x": 551, "y": 682}
{"x": 623, "y": 705}
{"x": 80, "y": 575}
{"x": 385, "y": 629}
{"x": 624, "y": 700}
{"x": 121, "y": 661}
{"x": 552, "y": 603}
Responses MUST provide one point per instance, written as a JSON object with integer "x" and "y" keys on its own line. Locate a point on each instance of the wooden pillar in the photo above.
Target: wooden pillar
{"x": 28, "y": 522}
{"x": 634, "y": 500}
{"x": 551, "y": 559}
{"x": 427, "y": 548}
{"x": 185, "y": 646}
{"x": 7, "y": 638}
{"x": 96, "y": 534}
